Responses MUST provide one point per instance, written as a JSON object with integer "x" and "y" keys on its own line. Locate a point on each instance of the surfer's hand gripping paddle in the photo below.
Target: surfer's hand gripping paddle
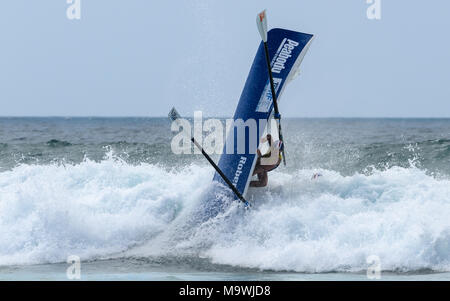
{"x": 261, "y": 22}
{"x": 175, "y": 117}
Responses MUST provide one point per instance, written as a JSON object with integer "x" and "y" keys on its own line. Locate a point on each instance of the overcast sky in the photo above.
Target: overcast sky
{"x": 141, "y": 57}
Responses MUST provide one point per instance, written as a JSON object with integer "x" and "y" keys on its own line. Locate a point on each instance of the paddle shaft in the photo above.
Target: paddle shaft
{"x": 224, "y": 177}
{"x": 274, "y": 98}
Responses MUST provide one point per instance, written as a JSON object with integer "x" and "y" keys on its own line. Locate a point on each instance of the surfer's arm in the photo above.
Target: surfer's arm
{"x": 266, "y": 155}
{"x": 263, "y": 139}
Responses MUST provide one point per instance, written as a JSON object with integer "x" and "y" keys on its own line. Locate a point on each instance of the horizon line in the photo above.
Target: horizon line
{"x": 220, "y": 117}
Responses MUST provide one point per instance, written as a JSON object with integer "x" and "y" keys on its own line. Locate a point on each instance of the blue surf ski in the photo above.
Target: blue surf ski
{"x": 286, "y": 50}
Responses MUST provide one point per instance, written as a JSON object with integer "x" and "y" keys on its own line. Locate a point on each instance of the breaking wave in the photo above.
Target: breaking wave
{"x": 111, "y": 208}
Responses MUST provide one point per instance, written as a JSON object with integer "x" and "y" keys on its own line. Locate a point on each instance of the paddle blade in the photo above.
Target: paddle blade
{"x": 173, "y": 114}
{"x": 261, "y": 22}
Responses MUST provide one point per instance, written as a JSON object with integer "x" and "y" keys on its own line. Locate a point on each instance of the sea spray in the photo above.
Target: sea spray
{"x": 92, "y": 209}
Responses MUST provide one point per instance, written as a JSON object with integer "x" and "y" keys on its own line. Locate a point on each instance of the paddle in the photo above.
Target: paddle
{"x": 174, "y": 116}
{"x": 261, "y": 22}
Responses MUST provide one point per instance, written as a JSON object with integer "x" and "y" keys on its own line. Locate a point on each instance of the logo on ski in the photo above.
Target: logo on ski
{"x": 282, "y": 55}
{"x": 266, "y": 98}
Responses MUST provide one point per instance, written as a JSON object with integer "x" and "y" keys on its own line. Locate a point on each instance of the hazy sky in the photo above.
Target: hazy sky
{"x": 141, "y": 57}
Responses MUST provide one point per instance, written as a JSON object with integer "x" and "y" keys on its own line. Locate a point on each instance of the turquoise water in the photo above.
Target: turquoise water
{"x": 130, "y": 270}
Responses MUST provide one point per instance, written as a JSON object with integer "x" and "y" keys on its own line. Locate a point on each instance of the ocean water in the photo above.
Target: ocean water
{"x": 110, "y": 191}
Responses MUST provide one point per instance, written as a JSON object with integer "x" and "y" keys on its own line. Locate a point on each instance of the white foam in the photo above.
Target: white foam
{"x": 331, "y": 224}
{"x": 335, "y": 223}
{"x": 90, "y": 209}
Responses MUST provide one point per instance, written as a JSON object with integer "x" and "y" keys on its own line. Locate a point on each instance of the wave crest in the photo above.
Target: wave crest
{"x": 102, "y": 209}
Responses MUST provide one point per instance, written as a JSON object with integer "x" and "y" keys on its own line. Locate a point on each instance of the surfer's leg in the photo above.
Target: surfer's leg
{"x": 262, "y": 180}
{"x": 258, "y": 168}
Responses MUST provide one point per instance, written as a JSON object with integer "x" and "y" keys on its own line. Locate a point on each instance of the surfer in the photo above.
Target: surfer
{"x": 267, "y": 162}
